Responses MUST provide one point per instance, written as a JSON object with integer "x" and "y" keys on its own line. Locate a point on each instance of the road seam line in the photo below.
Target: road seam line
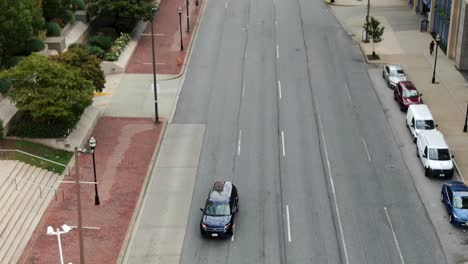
{"x": 243, "y": 87}
{"x": 282, "y": 142}
{"x": 225, "y": 6}
{"x": 365, "y": 147}
{"x": 340, "y": 226}
{"x": 279, "y": 89}
{"x": 348, "y": 93}
{"x": 288, "y": 223}
{"x": 277, "y": 51}
{"x": 239, "y": 143}
{"x": 394, "y": 235}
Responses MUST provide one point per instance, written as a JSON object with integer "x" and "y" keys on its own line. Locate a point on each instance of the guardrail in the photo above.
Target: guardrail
{"x": 41, "y": 187}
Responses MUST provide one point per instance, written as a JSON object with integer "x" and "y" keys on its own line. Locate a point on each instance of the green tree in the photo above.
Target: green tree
{"x": 20, "y": 20}
{"x": 374, "y": 31}
{"x": 47, "y": 91}
{"x": 15, "y": 28}
{"x": 38, "y": 20}
{"x": 124, "y": 13}
{"x": 88, "y": 65}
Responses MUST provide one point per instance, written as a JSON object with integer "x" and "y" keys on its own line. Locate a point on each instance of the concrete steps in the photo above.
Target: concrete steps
{"x": 22, "y": 207}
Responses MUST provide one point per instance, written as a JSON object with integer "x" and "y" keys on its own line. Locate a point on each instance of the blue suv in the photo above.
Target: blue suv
{"x": 220, "y": 210}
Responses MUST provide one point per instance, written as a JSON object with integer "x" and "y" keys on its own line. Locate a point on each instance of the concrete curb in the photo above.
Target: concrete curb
{"x": 380, "y": 62}
{"x": 395, "y": 137}
{"x": 144, "y": 188}
{"x": 189, "y": 50}
{"x": 462, "y": 178}
{"x": 328, "y": 2}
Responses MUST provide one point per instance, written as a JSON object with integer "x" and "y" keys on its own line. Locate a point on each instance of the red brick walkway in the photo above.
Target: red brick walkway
{"x": 167, "y": 39}
{"x": 123, "y": 155}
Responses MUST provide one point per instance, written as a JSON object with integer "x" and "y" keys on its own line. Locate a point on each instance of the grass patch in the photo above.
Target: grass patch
{"x": 57, "y": 155}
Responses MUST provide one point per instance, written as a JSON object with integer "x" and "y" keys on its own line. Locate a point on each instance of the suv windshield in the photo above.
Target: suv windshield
{"x": 439, "y": 154}
{"x": 461, "y": 200}
{"x": 217, "y": 209}
{"x": 410, "y": 93}
{"x": 424, "y": 124}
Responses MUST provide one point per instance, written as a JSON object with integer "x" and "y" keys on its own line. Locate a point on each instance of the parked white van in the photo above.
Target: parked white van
{"x": 434, "y": 153}
{"x": 419, "y": 118}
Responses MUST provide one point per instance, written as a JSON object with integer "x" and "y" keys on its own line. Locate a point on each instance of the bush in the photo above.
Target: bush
{"x": 34, "y": 45}
{"x": 42, "y": 35}
{"x": 107, "y": 31}
{"x": 51, "y": 9}
{"x": 53, "y": 29}
{"x": 125, "y": 24}
{"x": 14, "y": 60}
{"x": 22, "y": 125}
{"x": 79, "y": 5}
{"x": 95, "y": 50}
{"x": 118, "y": 46}
{"x": 102, "y": 41}
{"x": 68, "y": 16}
{"x": 5, "y": 85}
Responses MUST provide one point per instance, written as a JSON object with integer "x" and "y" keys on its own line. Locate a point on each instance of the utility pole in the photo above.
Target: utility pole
{"x": 78, "y": 196}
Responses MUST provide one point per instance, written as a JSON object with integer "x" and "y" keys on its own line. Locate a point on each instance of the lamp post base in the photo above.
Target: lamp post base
{"x": 96, "y": 200}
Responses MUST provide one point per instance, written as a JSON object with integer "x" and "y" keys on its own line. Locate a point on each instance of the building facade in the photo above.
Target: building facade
{"x": 448, "y": 19}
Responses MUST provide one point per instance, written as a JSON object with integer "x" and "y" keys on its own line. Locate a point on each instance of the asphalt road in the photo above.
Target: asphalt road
{"x": 292, "y": 119}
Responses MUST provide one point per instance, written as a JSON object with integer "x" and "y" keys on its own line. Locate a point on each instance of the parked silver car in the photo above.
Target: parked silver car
{"x": 393, "y": 74}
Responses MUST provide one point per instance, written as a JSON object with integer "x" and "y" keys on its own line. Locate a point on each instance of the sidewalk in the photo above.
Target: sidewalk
{"x": 169, "y": 57}
{"x": 123, "y": 156}
{"x": 404, "y": 44}
{"x": 128, "y": 141}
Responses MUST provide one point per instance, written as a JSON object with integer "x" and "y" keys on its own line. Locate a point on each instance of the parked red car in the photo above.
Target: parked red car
{"x": 406, "y": 94}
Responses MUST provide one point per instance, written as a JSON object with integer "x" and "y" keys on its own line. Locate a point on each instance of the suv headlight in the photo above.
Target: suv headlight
{"x": 203, "y": 226}
{"x": 226, "y": 227}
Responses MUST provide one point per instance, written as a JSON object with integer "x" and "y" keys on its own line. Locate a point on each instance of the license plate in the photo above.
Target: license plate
{"x": 214, "y": 235}
{"x": 442, "y": 175}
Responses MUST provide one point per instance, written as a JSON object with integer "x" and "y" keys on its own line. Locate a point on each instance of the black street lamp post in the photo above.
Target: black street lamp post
{"x": 156, "y": 113}
{"x": 179, "y": 10}
{"x": 465, "y": 128}
{"x": 196, "y": 2}
{"x": 188, "y": 20}
{"x": 92, "y": 145}
{"x": 435, "y": 59}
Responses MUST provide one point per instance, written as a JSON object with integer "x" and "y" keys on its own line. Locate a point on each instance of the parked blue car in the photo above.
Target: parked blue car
{"x": 455, "y": 197}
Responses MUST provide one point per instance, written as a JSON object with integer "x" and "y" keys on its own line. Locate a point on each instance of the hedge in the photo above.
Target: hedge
{"x": 102, "y": 41}
{"x": 53, "y": 29}
{"x": 79, "y": 4}
{"x": 69, "y": 16}
{"x": 107, "y": 31}
{"x": 34, "y": 45}
{"x": 23, "y": 126}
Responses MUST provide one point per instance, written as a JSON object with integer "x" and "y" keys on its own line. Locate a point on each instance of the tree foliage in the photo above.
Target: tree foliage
{"x": 87, "y": 64}
{"x": 48, "y": 91}
{"x": 374, "y": 31}
{"x": 20, "y": 20}
{"x": 125, "y": 13}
